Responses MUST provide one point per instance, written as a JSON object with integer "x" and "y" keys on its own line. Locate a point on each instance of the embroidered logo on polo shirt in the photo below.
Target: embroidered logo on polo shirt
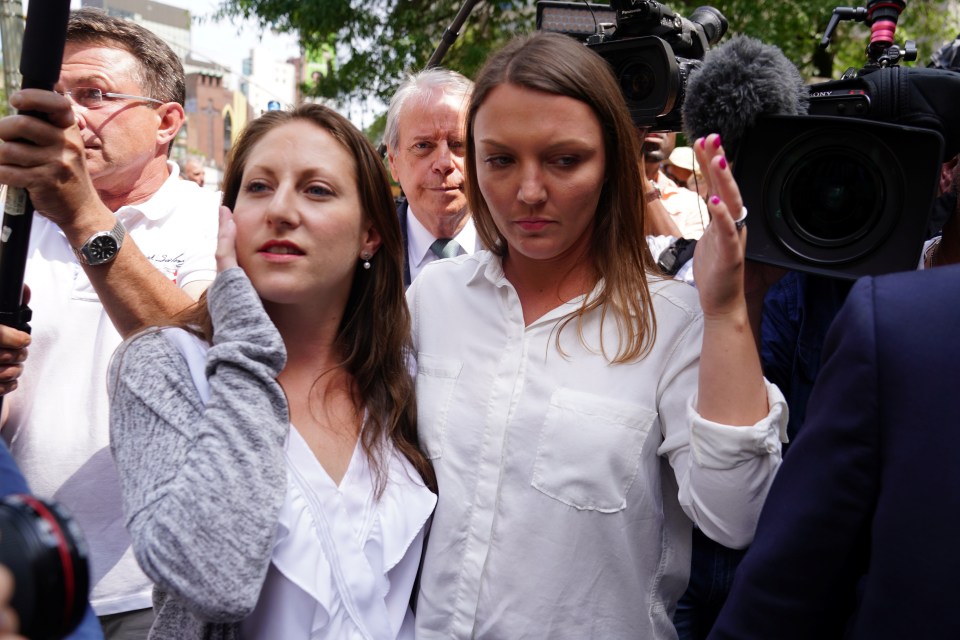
{"x": 167, "y": 264}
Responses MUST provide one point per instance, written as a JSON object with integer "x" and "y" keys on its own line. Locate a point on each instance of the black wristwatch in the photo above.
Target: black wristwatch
{"x": 102, "y": 247}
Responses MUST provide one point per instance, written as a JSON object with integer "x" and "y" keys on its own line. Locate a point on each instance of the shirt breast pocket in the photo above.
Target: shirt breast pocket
{"x": 436, "y": 380}
{"x": 589, "y": 452}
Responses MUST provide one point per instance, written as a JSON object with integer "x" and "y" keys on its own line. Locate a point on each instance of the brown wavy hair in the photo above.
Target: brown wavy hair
{"x": 374, "y": 335}
{"x": 559, "y": 65}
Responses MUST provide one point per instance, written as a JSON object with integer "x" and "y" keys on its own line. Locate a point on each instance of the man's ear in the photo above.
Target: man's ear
{"x": 393, "y": 167}
{"x": 171, "y": 119}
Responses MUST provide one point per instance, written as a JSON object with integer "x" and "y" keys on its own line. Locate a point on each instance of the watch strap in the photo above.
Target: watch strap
{"x": 119, "y": 232}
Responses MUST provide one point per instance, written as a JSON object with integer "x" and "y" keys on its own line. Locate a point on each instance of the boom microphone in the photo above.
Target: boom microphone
{"x": 40, "y": 59}
{"x": 44, "y": 36}
{"x": 739, "y": 81}
{"x": 44, "y": 39}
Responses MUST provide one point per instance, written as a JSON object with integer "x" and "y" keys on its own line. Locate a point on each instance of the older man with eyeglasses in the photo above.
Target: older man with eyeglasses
{"x": 117, "y": 245}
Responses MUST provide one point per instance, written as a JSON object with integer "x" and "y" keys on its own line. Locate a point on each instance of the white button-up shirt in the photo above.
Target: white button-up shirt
{"x": 564, "y": 480}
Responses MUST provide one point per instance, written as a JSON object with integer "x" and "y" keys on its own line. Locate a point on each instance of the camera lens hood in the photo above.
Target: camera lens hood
{"x": 46, "y": 553}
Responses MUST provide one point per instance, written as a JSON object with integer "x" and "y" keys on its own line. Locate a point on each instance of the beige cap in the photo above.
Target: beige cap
{"x": 684, "y": 158}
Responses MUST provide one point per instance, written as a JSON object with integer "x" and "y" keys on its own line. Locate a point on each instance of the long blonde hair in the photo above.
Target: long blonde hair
{"x": 557, "y": 64}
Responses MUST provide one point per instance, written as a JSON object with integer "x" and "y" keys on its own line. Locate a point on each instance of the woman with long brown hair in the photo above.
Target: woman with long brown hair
{"x": 581, "y": 411}
{"x": 247, "y": 526}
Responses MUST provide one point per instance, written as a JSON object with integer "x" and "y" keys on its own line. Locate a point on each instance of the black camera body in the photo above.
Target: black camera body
{"x": 848, "y": 190}
{"x": 651, "y": 49}
{"x": 838, "y": 198}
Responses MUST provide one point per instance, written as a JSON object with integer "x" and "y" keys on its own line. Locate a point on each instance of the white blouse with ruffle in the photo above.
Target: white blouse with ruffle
{"x": 343, "y": 563}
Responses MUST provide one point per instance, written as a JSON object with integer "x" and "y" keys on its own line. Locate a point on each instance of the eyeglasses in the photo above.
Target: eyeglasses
{"x": 91, "y": 98}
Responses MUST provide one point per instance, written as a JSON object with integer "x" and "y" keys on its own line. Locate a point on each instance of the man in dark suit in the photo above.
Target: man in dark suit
{"x": 858, "y": 537}
{"x": 425, "y": 140}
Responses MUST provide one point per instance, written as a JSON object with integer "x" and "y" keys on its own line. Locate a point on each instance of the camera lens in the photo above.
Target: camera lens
{"x": 44, "y": 550}
{"x": 834, "y": 197}
{"x": 713, "y": 22}
{"x": 637, "y": 81}
{"x": 837, "y": 196}
{"x": 833, "y": 193}
{"x": 648, "y": 75}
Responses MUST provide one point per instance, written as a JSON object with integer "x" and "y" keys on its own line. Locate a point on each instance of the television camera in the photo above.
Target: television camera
{"x": 651, "y": 49}
{"x": 848, "y": 189}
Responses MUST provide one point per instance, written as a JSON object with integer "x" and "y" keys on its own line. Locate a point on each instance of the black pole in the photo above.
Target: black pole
{"x": 451, "y": 33}
{"x": 41, "y": 55}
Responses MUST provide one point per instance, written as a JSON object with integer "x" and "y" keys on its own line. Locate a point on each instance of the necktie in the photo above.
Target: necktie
{"x": 445, "y": 248}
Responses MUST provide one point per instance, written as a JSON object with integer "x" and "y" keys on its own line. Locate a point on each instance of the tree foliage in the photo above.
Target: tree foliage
{"x": 796, "y": 26}
{"x": 377, "y": 41}
{"x": 374, "y": 42}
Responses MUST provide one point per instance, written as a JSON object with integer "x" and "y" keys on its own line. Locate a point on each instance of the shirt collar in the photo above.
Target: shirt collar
{"x": 665, "y": 184}
{"x": 160, "y": 204}
{"x": 489, "y": 267}
{"x": 419, "y": 239}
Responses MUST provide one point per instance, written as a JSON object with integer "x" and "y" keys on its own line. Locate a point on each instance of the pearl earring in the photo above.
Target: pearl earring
{"x": 366, "y": 259}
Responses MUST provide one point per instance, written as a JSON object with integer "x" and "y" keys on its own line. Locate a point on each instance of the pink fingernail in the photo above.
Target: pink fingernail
{"x": 723, "y": 162}
{"x": 714, "y": 200}
{"x": 703, "y": 143}
{"x": 716, "y": 142}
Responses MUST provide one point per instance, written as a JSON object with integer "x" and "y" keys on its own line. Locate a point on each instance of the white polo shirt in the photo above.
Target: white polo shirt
{"x": 58, "y": 425}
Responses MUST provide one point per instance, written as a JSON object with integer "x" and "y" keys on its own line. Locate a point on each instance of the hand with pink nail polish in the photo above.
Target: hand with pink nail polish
{"x": 731, "y": 387}
{"x": 8, "y": 617}
{"x": 719, "y": 258}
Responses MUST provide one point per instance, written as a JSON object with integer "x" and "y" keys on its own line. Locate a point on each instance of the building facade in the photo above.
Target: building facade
{"x": 268, "y": 82}
{"x": 215, "y": 114}
{"x": 215, "y": 117}
{"x": 170, "y": 23}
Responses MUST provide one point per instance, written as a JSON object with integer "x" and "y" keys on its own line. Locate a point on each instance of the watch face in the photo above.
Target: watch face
{"x": 102, "y": 249}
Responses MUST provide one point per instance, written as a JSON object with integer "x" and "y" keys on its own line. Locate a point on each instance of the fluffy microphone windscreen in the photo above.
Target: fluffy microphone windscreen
{"x": 739, "y": 81}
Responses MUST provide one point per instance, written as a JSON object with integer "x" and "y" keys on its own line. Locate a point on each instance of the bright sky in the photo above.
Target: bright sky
{"x": 229, "y": 43}
{"x": 225, "y": 43}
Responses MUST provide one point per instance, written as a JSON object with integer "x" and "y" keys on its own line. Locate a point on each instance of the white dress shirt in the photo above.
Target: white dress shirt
{"x": 419, "y": 241}
{"x": 568, "y": 484}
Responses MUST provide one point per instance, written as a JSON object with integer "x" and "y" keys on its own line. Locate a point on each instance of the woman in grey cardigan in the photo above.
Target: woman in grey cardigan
{"x": 250, "y": 528}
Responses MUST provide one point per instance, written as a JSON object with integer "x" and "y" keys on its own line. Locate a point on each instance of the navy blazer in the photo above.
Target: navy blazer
{"x": 860, "y": 534}
{"x": 402, "y": 209}
{"x": 11, "y": 480}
